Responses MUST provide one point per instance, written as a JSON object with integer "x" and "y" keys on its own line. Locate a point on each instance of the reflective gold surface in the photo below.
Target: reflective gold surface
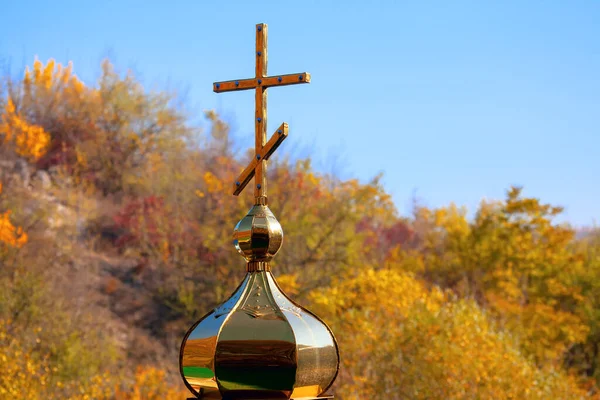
{"x": 258, "y": 236}
{"x": 317, "y": 351}
{"x": 259, "y": 345}
{"x": 196, "y": 359}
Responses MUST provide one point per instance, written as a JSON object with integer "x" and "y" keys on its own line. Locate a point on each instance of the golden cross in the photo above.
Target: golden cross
{"x": 263, "y": 149}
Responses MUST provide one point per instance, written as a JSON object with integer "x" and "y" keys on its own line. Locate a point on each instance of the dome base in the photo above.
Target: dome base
{"x": 211, "y": 397}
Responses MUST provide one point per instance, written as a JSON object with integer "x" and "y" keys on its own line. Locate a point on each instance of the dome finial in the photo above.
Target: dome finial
{"x": 258, "y": 236}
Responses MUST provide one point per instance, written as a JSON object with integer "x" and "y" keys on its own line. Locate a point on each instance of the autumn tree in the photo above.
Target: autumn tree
{"x": 585, "y": 355}
{"x": 421, "y": 343}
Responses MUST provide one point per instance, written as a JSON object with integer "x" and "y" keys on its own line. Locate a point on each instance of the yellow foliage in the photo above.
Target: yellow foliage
{"x": 165, "y": 251}
{"x": 150, "y": 385}
{"x": 289, "y": 284}
{"x": 81, "y": 158}
{"x": 213, "y": 184}
{"x": 514, "y": 260}
{"x": 155, "y": 160}
{"x": 24, "y": 373}
{"x": 421, "y": 343}
{"x": 21, "y": 374}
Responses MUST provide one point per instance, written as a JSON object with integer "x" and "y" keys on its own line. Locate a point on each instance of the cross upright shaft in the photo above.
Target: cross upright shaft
{"x": 257, "y": 168}
{"x": 260, "y": 110}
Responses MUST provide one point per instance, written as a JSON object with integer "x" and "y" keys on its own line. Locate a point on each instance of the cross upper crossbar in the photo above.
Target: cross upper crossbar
{"x": 266, "y": 82}
{"x": 263, "y": 150}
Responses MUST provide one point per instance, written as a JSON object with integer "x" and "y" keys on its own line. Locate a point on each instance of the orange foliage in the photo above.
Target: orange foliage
{"x": 31, "y": 141}
{"x": 9, "y": 234}
{"x": 52, "y": 76}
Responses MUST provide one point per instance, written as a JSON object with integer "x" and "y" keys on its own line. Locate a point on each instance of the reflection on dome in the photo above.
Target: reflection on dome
{"x": 259, "y": 344}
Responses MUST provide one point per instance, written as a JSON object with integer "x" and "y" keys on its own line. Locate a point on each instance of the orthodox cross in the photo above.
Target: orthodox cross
{"x": 262, "y": 149}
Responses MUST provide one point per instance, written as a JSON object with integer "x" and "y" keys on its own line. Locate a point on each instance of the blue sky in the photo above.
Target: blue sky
{"x": 455, "y": 101}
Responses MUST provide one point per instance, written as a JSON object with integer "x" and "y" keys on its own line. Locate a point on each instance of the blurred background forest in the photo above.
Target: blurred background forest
{"x": 115, "y": 236}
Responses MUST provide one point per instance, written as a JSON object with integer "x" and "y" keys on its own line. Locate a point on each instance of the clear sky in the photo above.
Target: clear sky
{"x": 452, "y": 100}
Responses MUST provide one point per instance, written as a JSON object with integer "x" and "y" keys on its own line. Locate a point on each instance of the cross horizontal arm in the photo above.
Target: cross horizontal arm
{"x": 266, "y": 152}
{"x": 269, "y": 81}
